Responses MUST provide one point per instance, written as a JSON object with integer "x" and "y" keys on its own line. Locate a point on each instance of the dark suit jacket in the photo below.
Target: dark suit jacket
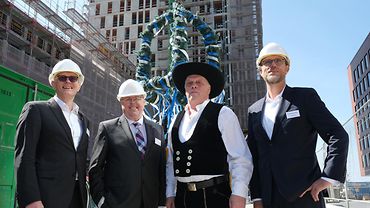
{"x": 117, "y": 171}
{"x": 289, "y": 157}
{"x": 46, "y": 161}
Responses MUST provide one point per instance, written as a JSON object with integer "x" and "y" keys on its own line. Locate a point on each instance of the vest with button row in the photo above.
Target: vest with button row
{"x": 204, "y": 153}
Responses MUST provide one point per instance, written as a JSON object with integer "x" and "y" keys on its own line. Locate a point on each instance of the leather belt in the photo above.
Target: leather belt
{"x": 195, "y": 186}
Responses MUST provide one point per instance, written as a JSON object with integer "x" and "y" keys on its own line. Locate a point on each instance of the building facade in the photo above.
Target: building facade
{"x": 32, "y": 49}
{"x": 359, "y": 81}
{"x": 238, "y": 23}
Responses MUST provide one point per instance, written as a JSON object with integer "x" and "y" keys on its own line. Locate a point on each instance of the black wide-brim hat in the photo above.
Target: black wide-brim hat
{"x": 213, "y": 75}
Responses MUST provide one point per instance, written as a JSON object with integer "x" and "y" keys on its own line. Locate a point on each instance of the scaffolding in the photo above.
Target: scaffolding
{"x": 36, "y": 34}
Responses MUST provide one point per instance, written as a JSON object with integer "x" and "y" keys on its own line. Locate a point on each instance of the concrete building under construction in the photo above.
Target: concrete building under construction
{"x": 237, "y": 22}
{"x": 35, "y": 35}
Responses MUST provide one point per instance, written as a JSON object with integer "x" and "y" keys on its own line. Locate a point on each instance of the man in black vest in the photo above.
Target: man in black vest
{"x": 205, "y": 143}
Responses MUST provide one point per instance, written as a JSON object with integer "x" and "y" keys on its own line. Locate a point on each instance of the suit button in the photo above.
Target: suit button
{"x": 187, "y": 171}
{"x": 177, "y": 158}
{"x": 177, "y": 171}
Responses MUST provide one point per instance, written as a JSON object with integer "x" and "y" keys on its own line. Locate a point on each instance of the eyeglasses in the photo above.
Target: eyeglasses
{"x": 132, "y": 99}
{"x": 278, "y": 61}
{"x": 63, "y": 78}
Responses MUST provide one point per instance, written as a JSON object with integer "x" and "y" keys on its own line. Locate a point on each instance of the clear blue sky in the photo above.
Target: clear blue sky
{"x": 321, "y": 38}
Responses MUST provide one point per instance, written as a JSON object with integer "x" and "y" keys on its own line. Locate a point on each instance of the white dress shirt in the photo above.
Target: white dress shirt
{"x": 239, "y": 157}
{"x": 272, "y": 107}
{"x": 73, "y": 120}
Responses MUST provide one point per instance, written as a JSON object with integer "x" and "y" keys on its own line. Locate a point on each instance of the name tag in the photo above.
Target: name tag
{"x": 293, "y": 114}
{"x": 157, "y": 141}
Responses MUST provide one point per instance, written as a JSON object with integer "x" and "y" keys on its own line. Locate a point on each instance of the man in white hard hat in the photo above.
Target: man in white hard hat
{"x": 282, "y": 133}
{"x": 206, "y": 145}
{"x": 51, "y": 145}
{"x": 128, "y": 163}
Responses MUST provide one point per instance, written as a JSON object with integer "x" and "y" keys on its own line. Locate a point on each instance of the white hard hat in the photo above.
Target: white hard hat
{"x": 130, "y": 87}
{"x": 66, "y": 65}
{"x": 272, "y": 49}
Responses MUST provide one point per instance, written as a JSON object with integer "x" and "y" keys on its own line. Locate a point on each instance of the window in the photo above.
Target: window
{"x": 366, "y": 61}
{"x": 122, "y": 6}
{"x": 133, "y": 47}
{"x": 147, "y": 3}
{"x": 141, "y": 4}
{"x": 147, "y": 16}
{"x": 121, "y": 20}
{"x": 139, "y": 30}
{"x": 97, "y": 9}
{"x": 140, "y": 17}
{"x": 120, "y": 47}
{"x": 160, "y": 44}
{"x": 127, "y": 33}
{"x": 154, "y": 3}
{"x": 126, "y": 47}
{"x": 48, "y": 48}
{"x": 114, "y": 34}
{"x": 133, "y": 18}
{"x": 128, "y": 8}
{"x": 102, "y": 22}
{"x": 40, "y": 43}
{"x": 107, "y": 34}
{"x": 115, "y": 20}
{"x": 29, "y": 35}
{"x": 109, "y": 11}
{"x": 152, "y": 60}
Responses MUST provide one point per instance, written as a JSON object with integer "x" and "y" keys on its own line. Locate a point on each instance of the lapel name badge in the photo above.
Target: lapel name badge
{"x": 292, "y": 114}
{"x": 157, "y": 141}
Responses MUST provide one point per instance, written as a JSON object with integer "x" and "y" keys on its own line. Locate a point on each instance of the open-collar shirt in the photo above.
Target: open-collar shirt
{"x": 72, "y": 119}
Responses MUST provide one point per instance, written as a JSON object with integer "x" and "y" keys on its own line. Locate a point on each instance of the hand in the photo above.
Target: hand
{"x": 36, "y": 204}
{"x": 317, "y": 186}
{"x": 170, "y": 202}
{"x": 257, "y": 204}
{"x": 236, "y": 201}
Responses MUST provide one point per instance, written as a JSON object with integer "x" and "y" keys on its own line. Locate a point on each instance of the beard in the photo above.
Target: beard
{"x": 273, "y": 79}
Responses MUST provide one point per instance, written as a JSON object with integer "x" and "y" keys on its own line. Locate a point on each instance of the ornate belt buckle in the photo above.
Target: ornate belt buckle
{"x": 192, "y": 187}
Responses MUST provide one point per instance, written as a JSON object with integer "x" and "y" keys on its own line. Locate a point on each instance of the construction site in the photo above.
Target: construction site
{"x": 102, "y": 37}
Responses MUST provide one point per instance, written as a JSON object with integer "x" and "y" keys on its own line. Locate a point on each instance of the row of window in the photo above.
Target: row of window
{"x": 366, "y": 160}
{"x": 361, "y": 67}
{"x": 361, "y": 107}
{"x": 118, "y": 20}
{"x": 111, "y": 35}
{"x": 19, "y": 29}
{"x": 365, "y": 142}
{"x": 125, "y": 6}
{"x": 362, "y": 87}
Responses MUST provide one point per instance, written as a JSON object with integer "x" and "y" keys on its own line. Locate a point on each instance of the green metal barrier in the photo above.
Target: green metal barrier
{"x": 15, "y": 91}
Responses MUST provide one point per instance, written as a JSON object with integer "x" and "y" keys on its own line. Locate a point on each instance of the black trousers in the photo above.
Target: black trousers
{"x": 216, "y": 196}
{"x": 76, "y": 201}
{"x": 278, "y": 201}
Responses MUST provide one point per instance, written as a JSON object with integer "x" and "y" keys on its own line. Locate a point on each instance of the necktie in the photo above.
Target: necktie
{"x": 140, "y": 140}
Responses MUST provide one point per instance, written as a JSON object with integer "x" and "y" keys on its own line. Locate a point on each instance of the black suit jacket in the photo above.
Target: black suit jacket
{"x": 289, "y": 157}
{"x": 46, "y": 161}
{"x": 117, "y": 171}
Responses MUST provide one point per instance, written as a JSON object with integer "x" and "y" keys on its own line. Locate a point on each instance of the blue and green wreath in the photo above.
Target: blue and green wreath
{"x": 161, "y": 93}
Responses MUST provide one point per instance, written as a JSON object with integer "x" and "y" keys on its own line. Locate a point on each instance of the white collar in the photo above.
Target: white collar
{"x": 64, "y": 106}
{"x": 198, "y": 107}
